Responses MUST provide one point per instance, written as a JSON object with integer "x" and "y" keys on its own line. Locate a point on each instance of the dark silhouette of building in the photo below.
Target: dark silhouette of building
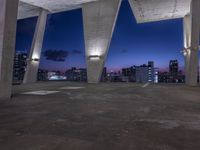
{"x": 114, "y": 77}
{"x": 144, "y": 73}
{"x": 42, "y": 75}
{"x": 166, "y": 77}
{"x": 80, "y": 74}
{"x": 75, "y": 74}
{"x": 129, "y": 74}
{"x": 19, "y": 66}
{"x": 174, "y": 75}
{"x": 173, "y": 67}
{"x": 104, "y": 75}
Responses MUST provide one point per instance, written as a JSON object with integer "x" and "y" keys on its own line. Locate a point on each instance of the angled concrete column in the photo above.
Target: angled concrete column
{"x": 35, "y": 52}
{"x": 99, "y": 21}
{"x": 191, "y": 43}
{"x": 187, "y": 44}
{"x": 8, "y": 21}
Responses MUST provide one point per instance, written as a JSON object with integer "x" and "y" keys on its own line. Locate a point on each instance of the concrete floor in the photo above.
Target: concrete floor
{"x": 115, "y": 116}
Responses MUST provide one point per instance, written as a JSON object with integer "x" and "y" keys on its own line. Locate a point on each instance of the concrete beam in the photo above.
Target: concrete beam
{"x": 157, "y": 10}
{"x": 99, "y": 21}
{"x": 30, "y": 8}
{"x": 35, "y": 52}
{"x": 8, "y": 21}
{"x": 191, "y": 43}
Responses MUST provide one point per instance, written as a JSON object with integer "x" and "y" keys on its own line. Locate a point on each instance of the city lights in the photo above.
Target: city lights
{"x": 35, "y": 59}
{"x": 94, "y": 57}
{"x": 186, "y": 51}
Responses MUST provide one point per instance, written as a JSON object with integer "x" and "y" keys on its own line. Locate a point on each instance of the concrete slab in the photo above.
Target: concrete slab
{"x": 30, "y": 8}
{"x": 144, "y": 10}
{"x": 110, "y": 116}
{"x": 155, "y": 10}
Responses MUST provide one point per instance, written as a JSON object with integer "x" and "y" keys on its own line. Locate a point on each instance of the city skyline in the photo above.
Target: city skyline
{"x": 132, "y": 43}
{"x": 20, "y": 62}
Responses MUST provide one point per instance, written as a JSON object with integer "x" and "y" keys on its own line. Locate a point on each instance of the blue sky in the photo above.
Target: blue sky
{"x": 132, "y": 43}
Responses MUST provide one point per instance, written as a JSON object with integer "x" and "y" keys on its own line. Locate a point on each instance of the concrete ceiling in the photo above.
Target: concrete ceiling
{"x": 30, "y": 8}
{"x": 144, "y": 10}
{"x": 155, "y": 10}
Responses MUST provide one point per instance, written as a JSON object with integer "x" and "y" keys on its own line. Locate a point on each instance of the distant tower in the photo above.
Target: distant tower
{"x": 151, "y": 64}
{"x": 19, "y": 66}
{"x": 173, "y": 67}
{"x": 145, "y": 73}
{"x": 151, "y": 72}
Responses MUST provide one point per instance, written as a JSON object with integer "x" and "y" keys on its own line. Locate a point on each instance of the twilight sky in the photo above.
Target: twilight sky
{"x": 132, "y": 43}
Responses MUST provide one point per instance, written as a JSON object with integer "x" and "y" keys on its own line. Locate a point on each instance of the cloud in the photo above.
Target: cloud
{"x": 56, "y": 55}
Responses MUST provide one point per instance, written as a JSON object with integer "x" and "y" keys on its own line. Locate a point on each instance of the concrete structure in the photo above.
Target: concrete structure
{"x": 35, "y": 52}
{"x": 30, "y": 8}
{"x": 191, "y": 42}
{"x": 99, "y": 22}
{"x": 144, "y": 10}
{"x": 8, "y": 18}
{"x": 156, "y": 10}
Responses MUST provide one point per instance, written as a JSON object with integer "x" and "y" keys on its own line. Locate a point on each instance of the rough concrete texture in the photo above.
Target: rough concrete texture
{"x": 144, "y": 10}
{"x": 191, "y": 40}
{"x": 99, "y": 20}
{"x": 155, "y": 10}
{"x": 8, "y": 17}
{"x": 187, "y": 43}
{"x": 29, "y": 8}
{"x": 36, "y": 47}
{"x": 106, "y": 117}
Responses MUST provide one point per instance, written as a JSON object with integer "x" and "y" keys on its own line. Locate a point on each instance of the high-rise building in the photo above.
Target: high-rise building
{"x": 151, "y": 64}
{"x": 19, "y": 66}
{"x": 145, "y": 73}
{"x": 114, "y": 76}
{"x": 128, "y": 74}
{"x": 174, "y": 75}
{"x": 42, "y": 75}
{"x": 151, "y": 72}
{"x": 173, "y": 67}
{"x": 104, "y": 75}
{"x": 75, "y": 74}
{"x": 142, "y": 73}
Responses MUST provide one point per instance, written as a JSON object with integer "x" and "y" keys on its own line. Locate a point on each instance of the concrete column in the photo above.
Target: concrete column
{"x": 35, "y": 52}
{"x": 187, "y": 41}
{"x": 191, "y": 43}
{"x": 8, "y": 21}
{"x": 99, "y": 21}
